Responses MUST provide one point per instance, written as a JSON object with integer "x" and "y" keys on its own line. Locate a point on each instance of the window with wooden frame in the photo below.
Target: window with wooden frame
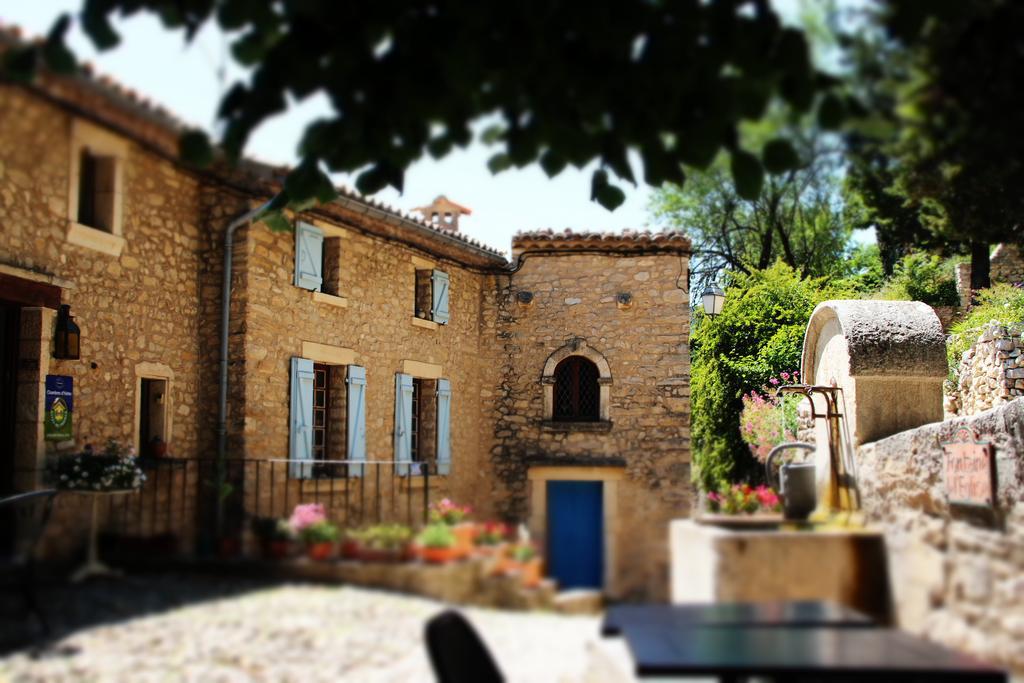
{"x": 329, "y": 420}
{"x": 577, "y": 396}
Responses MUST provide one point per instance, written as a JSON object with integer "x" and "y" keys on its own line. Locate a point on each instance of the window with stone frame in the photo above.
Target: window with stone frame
{"x": 96, "y": 190}
{"x": 577, "y": 395}
{"x": 329, "y": 420}
{"x": 330, "y": 268}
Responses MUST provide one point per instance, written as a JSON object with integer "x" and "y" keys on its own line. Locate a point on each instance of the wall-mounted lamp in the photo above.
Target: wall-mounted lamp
{"x": 713, "y": 299}
{"x": 67, "y": 341}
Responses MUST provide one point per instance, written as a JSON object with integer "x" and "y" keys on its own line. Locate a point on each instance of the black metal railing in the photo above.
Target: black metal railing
{"x": 175, "y": 509}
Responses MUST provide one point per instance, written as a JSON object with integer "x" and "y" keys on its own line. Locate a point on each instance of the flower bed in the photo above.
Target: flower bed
{"x": 450, "y": 538}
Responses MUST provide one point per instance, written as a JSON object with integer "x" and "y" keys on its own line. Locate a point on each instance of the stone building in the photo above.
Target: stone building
{"x": 553, "y": 390}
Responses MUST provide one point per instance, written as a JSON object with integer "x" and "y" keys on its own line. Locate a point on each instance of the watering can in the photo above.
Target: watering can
{"x": 796, "y": 484}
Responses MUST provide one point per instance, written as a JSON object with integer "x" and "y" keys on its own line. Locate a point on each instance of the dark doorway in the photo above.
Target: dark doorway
{"x": 10, "y": 325}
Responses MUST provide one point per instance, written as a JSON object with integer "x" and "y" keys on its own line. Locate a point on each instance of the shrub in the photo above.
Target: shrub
{"x": 923, "y": 277}
{"x": 758, "y": 335}
{"x": 767, "y": 419}
{"x": 385, "y": 537}
{"x": 1002, "y": 304}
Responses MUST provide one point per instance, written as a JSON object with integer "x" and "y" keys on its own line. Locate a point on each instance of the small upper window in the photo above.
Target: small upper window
{"x": 431, "y": 299}
{"x": 577, "y": 394}
{"x": 331, "y": 266}
{"x": 96, "y": 190}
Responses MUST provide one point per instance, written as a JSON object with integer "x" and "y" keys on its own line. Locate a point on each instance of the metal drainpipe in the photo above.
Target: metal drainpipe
{"x": 225, "y": 319}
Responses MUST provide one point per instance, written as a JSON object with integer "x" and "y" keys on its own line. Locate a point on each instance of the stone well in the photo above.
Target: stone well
{"x": 889, "y": 359}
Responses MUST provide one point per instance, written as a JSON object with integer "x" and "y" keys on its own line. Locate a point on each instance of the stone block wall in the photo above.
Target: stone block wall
{"x": 576, "y": 305}
{"x": 957, "y": 574}
{"x": 377, "y": 282}
{"x": 135, "y": 309}
{"x": 991, "y": 372}
{"x": 1008, "y": 264}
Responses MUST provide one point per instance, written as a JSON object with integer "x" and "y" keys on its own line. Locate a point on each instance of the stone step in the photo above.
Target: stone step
{"x": 579, "y": 601}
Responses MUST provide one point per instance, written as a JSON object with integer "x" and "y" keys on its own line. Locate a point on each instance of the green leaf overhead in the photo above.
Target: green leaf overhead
{"x": 747, "y": 173}
{"x": 667, "y": 81}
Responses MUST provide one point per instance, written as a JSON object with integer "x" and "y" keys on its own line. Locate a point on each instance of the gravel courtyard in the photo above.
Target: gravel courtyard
{"x": 174, "y": 628}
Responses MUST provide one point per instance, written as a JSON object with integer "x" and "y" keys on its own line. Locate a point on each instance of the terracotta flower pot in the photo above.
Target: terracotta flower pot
{"x": 530, "y": 572}
{"x": 439, "y": 555}
{"x": 320, "y": 551}
{"x": 350, "y": 550}
{"x": 465, "y": 534}
{"x": 276, "y": 549}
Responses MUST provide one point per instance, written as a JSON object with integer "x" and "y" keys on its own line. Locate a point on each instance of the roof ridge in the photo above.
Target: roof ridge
{"x": 144, "y": 106}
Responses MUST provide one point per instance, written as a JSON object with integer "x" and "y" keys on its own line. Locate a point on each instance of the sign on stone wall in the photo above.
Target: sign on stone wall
{"x": 970, "y": 471}
{"x": 58, "y": 405}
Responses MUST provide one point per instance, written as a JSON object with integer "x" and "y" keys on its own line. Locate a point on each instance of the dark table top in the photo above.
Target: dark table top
{"x": 767, "y": 614}
{"x": 822, "y": 653}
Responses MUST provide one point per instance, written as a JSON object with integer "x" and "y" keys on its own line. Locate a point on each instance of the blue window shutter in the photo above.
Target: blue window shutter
{"x": 356, "y": 418}
{"x": 403, "y": 422}
{"x": 439, "y": 289}
{"x": 444, "y": 432}
{"x": 300, "y": 442}
{"x": 309, "y": 251}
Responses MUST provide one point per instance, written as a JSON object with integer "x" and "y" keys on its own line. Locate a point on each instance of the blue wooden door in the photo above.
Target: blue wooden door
{"x": 576, "y": 533}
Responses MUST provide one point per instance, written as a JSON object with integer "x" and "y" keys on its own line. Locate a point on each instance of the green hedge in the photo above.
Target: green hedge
{"x": 758, "y": 335}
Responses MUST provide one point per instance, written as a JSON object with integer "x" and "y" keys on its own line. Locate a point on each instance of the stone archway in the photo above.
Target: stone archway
{"x": 577, "y": 347}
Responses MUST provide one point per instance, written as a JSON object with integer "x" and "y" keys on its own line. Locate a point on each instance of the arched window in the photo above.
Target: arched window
{"x": 577, "y": 394}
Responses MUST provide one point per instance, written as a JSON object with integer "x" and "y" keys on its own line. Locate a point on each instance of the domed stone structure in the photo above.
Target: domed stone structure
{"x": 889, "y": 360}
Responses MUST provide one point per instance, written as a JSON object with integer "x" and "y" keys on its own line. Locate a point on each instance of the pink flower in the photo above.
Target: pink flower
{"x": 306, "y": 515}
{"x": 773, "y": 381}
{"x": 795, "y": 374}
{"x": 785, "y": 375}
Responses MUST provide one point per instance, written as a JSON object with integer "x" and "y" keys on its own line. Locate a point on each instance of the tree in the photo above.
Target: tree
{"x": 951, "y": 71}
{"x": 758, "y": 335}
{"x": 572, "y": 84}
{"x": 797, "y": 218}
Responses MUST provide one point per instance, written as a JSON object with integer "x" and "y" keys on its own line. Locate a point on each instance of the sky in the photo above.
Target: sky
{"x": 190, "y": 79}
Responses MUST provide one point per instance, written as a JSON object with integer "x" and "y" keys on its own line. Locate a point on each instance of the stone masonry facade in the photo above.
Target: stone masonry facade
{"x": 146, "y": 295}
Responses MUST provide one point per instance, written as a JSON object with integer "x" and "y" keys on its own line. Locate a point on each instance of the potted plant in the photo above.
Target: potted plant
{"x": 115, "y": 469}
{"x": 351, "y": 543}
{"x": 491, "y": 538}
{"x": 274, "y": 535}
{"x": 437, "y": 544}
{"x": 385, "y": 543}
{"x": 320, "y": 539}
{"x": 528, "y": 563}
{"x": 454, "y": 515}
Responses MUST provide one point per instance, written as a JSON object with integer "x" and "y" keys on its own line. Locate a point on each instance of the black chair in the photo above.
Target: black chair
{"x": 26, "y": 515}
{"x": 457, "y": 653}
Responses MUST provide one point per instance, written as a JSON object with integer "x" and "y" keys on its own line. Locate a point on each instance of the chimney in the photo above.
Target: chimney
{"x": 444, "y": 213}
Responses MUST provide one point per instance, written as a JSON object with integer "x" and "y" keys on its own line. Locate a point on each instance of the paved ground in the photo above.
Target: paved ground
{"x": 177, "y": 628}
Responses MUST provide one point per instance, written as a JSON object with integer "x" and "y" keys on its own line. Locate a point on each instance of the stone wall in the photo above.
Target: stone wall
{"x": 377, "y": 284}
{"x": 576, "y": 307}
{"x": 991, "y": 372}
{"x": 136, "y": 310}
{"x": 957, "y": 575}
{"x": 1008, "y": 264}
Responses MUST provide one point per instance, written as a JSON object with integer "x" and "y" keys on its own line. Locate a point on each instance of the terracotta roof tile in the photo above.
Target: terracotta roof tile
{"x": 625, "y": 240}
